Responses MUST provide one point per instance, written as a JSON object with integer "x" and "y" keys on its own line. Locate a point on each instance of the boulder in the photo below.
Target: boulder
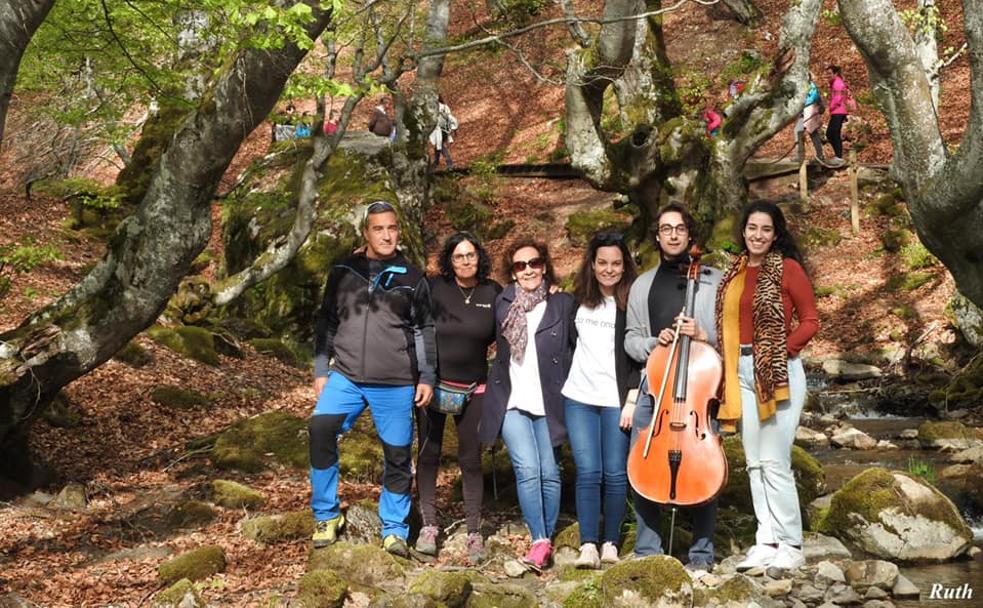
{"x": 842, "y": 595}
{"x": 908, "y": 434}
{"x": 368, "y": 565}
{"x": 658, "y": 581}
{"x": 949, "y": 435}
{"x": 872, "y": 573}
{"x": 904, "y": 589}
{"x": 896, "y": 517}
{"x": 234, "y": 495}
{"x": 501, "y": 595}
{"x": 70, "y": 498}
{"x": 262, "y": 441}
{"x": 194, "y": 565}
{"x": 973, "y": 455}
{"x": 808, "y": 438}
{"x": 968, "y": 318}
{"x": 849, "y": 437}
{"x": 178, "y": 398}
{"x": 817, "y": 547}
{"x": 270, "y": 529}
{"x": 884, "y": 444}
{"x": 449, "y": 589}
{"x": 828, "y": 573}
{"x": 322, "y": 589}
{"x": 192, "y": 342}
{"x": 181, "y": 594}
{"x": 846, "y": 371}
{"x": 190, "y": 513}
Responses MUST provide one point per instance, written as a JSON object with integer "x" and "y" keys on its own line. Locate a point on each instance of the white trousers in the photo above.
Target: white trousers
{"x": 768, "y": 450}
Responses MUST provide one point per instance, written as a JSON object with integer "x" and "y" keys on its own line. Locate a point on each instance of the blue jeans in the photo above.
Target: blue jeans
{"x": 537, "y": 476}
{"x": 600, "y": 450}
{"x": 648, "y": 514}
{"x": 339, "y": 406}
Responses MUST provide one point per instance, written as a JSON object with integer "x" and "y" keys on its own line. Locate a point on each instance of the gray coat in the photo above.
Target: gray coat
{"x": 640, "y": 339}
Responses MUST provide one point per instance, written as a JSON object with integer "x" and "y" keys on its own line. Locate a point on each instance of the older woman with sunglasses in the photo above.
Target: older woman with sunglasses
{"x": 523, "y": 402}
{"x": 462, "y": 299}
{"x": 600, "y": 376}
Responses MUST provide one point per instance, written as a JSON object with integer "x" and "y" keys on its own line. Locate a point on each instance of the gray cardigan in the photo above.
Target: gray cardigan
{"x": 639, "y": 337}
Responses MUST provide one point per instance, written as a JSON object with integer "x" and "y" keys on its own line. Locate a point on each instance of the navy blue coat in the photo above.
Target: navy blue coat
{"x": 555, "y": 339}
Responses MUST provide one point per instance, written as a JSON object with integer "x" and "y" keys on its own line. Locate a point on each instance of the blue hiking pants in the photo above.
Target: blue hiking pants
{"x": 339, "y": 406}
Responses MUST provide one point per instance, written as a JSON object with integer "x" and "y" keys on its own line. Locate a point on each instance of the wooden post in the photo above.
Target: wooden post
{"x": 854, "y": 193}
{"x": 804, "y": 183}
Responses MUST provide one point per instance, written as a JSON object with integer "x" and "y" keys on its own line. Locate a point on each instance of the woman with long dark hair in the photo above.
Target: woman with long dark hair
{"x": 600, "y": 376}
{"x": 534, "y": 337}
{"x": 462, "y": 298}
{"x": 764, "y": 386}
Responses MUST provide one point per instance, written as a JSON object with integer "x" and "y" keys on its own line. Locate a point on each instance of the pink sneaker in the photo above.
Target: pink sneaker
{"x": 539, "y": 555}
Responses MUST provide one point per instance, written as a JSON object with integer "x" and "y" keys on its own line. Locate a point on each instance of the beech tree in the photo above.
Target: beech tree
{"x": 660, "y": 153}
{"x": 943, "y": 187}
{"x": 19, "y": 19}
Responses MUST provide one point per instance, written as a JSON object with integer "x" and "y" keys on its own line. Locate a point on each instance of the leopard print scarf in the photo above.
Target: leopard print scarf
{"x": 768, "y": 320}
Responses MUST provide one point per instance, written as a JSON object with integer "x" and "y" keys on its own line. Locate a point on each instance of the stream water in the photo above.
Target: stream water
{"x": 842, "y": 465}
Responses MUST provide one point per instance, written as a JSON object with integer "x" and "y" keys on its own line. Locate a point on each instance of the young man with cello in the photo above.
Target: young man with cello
{"x": 654, "y": 306}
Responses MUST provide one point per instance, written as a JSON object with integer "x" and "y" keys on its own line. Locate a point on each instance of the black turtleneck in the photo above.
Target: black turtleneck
{"x": 668, "y": 293}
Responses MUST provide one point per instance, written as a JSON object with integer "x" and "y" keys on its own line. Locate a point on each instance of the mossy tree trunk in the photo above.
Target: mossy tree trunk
{"x": 150, "y": 251}
{"x": 943, "y": 190}
{"x": 661, "y": 154}
{"x": 19, "y": 19}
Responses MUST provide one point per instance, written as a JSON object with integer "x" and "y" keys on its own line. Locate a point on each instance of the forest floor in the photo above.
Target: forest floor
{"x": 130, "y": 451}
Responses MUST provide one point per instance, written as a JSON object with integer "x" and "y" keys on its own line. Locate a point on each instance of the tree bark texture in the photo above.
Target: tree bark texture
{"x": 19, "y": 19}
{"x": 944, "y": 191}
{"x": 663, "y": 155}
{"x": 151, "y": 250}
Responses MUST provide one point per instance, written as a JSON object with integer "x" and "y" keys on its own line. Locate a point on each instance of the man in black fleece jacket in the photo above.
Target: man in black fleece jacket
{"x": 374, "y": 346}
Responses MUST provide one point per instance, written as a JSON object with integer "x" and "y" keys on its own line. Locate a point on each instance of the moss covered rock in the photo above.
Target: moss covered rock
{"x": 810, "y": 479}
{"x": 404, "y": 600}
{"x": 270, "y": 529}
{"x": 656, "y": 581}
{"x": 948, "y": 435}
{"x": 274, "y": 348}
{"x": 450, "y": 589}
{"x": 322, "y": 589}
{"x": 897, "y": 517}
{"x": 133, "y": 355}
{"x": 177, "y": 398}
{"x": 194, "y": 565}
{"x": 256, "y": 443}
{"x": 587, "y": 595}
{"x": 501, "y": 595}
{"x": 61, "y": 414}
{"x": 568, "y": 537}
{"x": 360, "y": 456}
{"x": 193, "y": 342}
{"x": 191, "y": 513}
{"x": 737, "y": 590}
{"x": 583, "y": 225}
{"x": 181, "y": 594}
{"x": 234, "y": 495}
{"x": 368, "y": 565}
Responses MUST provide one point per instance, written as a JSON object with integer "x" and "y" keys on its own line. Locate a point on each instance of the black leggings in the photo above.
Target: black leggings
{"x": 833, "y": 133}
{"x": 430, "y": 426}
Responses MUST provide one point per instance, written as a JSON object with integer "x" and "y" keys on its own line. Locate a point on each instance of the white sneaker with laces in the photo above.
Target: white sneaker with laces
{"x": 609, "y": 553}
{"x": 588, "y": 560}
{"x": 760, "y": 556}
{"x": 788, "y": 558}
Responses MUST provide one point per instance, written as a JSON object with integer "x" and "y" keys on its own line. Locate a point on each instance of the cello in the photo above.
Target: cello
{"x": 679, "y": 459}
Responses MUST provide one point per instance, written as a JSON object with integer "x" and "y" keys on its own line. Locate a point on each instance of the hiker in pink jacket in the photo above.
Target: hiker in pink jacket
{"x": 838, "y": 95}
{"x": 713, "y": 120}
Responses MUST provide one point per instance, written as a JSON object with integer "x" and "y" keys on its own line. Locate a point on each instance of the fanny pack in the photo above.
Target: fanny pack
{"x": 451, "y": 397}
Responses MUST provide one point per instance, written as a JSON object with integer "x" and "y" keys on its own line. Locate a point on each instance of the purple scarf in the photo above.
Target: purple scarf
{"x": 514, "y": 327}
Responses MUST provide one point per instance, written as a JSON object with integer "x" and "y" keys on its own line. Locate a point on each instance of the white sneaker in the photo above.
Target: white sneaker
{"x": 788, "y": 558}
{"x": 760, "y": 556}
{"x": 609, "y": 553}
{"x": 588, "y": 560}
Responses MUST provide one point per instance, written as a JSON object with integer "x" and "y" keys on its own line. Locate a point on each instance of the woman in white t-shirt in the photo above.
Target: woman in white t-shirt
{"x": 595, "y": 390}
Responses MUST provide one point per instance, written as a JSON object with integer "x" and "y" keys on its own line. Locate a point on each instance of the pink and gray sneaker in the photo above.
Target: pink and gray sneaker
{"x": 539, "y": 555}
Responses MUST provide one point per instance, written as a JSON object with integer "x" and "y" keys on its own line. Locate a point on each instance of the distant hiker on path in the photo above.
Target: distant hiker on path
{"x": 839, "y": 101}
{"x": 330, "y": 124}
{"x": 713, "y": 120}
{"x": 380, "y": 122}
{"x": 374, "y": 346}
{"x": 811, "y": 122}
{"x": 443, "y": 135}
{"x": 283, "y": 125}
